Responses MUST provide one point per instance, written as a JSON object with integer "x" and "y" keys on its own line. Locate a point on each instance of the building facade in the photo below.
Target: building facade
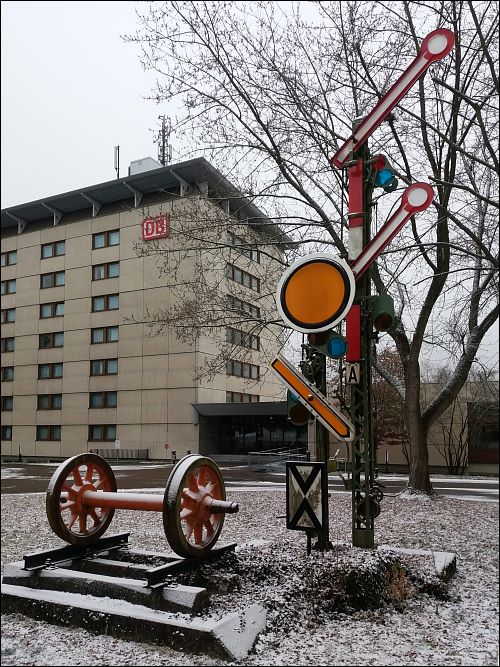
{"x": 84, "y": 275}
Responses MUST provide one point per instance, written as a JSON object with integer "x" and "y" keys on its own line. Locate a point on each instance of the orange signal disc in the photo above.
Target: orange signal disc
{"x": 315, "y": 293}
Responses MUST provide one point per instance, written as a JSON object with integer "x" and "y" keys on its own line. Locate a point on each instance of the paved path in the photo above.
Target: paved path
{"x": 35, "y": 477}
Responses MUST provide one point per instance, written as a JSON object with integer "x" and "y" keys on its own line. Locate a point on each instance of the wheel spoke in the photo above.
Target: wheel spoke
{"x": 77, "y": 477}
{"x": 185, "y": 512}
{"x": 73, "y": 518}
{"x": 198, "y": 533}
{"x": 89, "y": 473}
{"x": 209, "y": 528}
{"x": 202, "y": 477}
{"x": 95, "y": 517}
{"x": 82, "y": 522}
{"x": 192, "y": 483}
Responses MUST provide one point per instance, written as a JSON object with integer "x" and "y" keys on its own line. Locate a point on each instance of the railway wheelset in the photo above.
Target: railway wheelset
{"x": 82, "y": 498}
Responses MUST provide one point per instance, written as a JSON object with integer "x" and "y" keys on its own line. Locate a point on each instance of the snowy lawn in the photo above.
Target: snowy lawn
{"x": 308, "y": 623}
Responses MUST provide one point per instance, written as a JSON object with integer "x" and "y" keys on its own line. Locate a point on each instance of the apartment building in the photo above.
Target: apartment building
{"x": 85, "y": 273}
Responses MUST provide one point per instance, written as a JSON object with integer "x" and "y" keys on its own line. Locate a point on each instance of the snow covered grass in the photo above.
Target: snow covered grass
{"x": 410, "y": 627}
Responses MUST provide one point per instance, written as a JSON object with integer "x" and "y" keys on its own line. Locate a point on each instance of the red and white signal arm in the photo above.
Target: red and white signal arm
{"x": 155, "y": 228}
{"x": 434, "y": 47}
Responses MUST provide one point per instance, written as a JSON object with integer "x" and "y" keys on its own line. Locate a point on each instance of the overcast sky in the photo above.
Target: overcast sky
{"x": 72, "y": 89}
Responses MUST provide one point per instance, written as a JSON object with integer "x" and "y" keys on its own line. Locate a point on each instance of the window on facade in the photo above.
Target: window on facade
{"x": 9, "y": 258}
{"x": 104, "y": 367}
{"x": 8, "y": 287}
{"x": 104, "y": 335}
{"x": 242, "y": 306}
{"x": 48, "y": 432}
{"x": 53, "y": 279}
{"x": 7, "y": 403}
{"x": 55, "y": 309}
{"x": 7, "y": 373}
{"x": 50, "y": 371}
{"x": 105, "y": 239}
{"x": 8, "y": 315}
{"x": 109, "y": 270}
{"x": 53, "y": 339}
{"x": 238, "y": 397}
{"x": 246, "y": 249}
{"x": 54, "y": 249}
{"x": 8, "y": 344}
{"x": 6, "y": 432}
{"x": 242, "y": 277}
{"x": 103, "y": 399}
{"x": 237, "y": 337}
{"x": 242, "y": 369}
{"x": 102, "y": 432}
{"x": 49, "y": 402}
{"x": 105, "y": 302}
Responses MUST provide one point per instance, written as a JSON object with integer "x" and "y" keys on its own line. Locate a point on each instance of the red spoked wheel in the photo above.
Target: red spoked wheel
{"x": 191, "y": 529}
{"x": 68, "y": 517}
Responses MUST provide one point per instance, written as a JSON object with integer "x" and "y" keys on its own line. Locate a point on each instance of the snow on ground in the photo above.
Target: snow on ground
{"x": 424, "y": 630}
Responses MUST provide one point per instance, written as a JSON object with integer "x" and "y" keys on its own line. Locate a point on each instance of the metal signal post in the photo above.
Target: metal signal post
{"x": 364, "y": 509}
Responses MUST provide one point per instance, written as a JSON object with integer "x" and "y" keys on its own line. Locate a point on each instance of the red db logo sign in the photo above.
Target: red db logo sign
{"x": 155, "y": 228}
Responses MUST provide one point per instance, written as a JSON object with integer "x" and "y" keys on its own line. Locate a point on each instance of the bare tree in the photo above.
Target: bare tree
{"x": 269, "y": 89}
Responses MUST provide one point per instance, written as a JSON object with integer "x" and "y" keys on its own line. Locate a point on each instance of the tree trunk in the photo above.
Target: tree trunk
{"x": 419, "y": 479}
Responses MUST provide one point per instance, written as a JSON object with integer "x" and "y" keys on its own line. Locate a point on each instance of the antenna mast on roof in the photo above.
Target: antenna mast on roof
{"x": 117, "y": 161}
{"x": 164, "y": 147}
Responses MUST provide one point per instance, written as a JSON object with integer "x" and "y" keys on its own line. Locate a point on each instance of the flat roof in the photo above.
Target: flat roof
{"x": 152, "y": 182}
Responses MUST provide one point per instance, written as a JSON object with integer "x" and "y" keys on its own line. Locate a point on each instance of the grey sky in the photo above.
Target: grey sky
{"x": 71, "y": 91}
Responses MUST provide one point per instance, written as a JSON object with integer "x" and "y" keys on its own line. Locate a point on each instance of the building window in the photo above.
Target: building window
{"x": 48, "y": 340}
{"x": 238, "y": 397}
{"x": 54, "y": 249}
{"x": 55, "y": 309}
{"x": 7, "y": 403}
{"x": 242, "y": 277}
{"x": 248, "y": 250}
{"x": 242, "y": 369}
{"x": 49, "y": 402}
{"x": 6, "y": 432}
{"x": 105, "y": 239}
{"x": 8, "y": 287}
{"x": 53, "y": 279}
{"x": 237, "y": 337}
{"x": 242, "y": 306}
{"x": 103, "y": 399}
{"x": 9, "y": 258}
{"x": 8, "y": 344}
{"x": 47, "y": 432}
{"x": 50, "y": 371}
{"x": 104, "y": 335}
{"x": 104, "y": 367}
{"x": 102, "y": 432}
{"x": 7, "y": 373}
{"x": 105, "y": 302}
{"x": 109, "y": 270}
{"x": 8, "y": 315}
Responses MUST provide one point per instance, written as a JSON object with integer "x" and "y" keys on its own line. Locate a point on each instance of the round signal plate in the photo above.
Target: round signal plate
{"x": 315, "y": 292}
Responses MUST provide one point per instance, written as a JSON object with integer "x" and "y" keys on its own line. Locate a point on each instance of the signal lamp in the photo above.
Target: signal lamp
{"x": 384, "y": 174}
{"x": 297, "y": 412}
{"x": 383, "y": 312}
{"x": 330, "y": 343}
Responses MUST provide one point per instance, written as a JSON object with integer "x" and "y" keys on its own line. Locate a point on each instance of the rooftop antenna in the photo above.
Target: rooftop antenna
{"x": 164, "y": 147}
{"x": 117, "y": 161}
